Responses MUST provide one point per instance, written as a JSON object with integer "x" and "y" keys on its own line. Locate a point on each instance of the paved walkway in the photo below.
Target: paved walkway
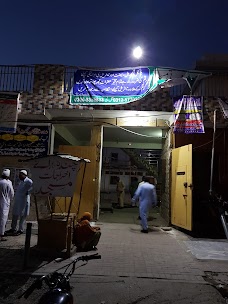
{"x": 126, "y": 252}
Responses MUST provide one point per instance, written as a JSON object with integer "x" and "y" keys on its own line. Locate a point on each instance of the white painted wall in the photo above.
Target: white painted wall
{"x": 124, "y": 174}
{"x": 123, "y": 157}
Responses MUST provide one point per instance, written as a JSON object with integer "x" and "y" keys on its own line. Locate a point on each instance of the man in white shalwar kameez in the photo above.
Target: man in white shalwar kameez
{"x": 146, "y": 193}
{"x": 21, "y": 205}
{"x": 120, "y": 192}
{"x": 6, "y": 195}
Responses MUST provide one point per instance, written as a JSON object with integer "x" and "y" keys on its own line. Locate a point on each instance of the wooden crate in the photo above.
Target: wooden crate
{"x": 55, "y": 232}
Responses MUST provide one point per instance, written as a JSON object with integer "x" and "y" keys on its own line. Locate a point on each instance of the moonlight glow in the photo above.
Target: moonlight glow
{"x": 137, "y": 52}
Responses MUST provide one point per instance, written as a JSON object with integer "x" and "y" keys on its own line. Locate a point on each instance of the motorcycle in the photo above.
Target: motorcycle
{"x": 59, "y": 283}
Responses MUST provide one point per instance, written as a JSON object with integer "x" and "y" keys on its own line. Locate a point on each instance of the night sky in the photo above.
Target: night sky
{"x": 102, "y": 33}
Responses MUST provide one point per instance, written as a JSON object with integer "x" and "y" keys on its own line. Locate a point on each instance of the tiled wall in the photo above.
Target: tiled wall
{"x": 48, "y": 92}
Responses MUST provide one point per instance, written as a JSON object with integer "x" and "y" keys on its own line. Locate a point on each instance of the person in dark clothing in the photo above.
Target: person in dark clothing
{"x": 85, "y": 236}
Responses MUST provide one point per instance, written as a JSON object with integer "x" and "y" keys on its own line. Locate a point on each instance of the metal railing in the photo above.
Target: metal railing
{"x": 16, "y": 78}
{"x": 69, "y": 78}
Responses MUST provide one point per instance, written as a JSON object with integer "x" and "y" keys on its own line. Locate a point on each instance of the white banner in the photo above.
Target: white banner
{"x": 54, "y": 176}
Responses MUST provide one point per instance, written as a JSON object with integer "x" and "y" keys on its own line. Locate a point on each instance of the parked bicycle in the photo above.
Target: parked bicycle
{"x": 59, "y": 283}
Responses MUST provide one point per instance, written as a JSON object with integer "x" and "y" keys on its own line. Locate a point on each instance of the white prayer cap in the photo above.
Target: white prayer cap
{"x": 24, "y": 172}
{"x": 6, "y": 172}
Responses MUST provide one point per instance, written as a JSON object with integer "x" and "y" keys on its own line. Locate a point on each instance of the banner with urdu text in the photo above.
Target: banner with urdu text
{"x": 119, "y": 86}
{"x": 30, "y": 140}
{"x": 188, "y": 115}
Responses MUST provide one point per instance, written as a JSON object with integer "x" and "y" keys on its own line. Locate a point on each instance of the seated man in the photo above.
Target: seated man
{"x": 85, "y": 236}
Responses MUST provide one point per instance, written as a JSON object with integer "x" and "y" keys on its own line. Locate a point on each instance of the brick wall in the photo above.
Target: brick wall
{"x": 48, "y": 92}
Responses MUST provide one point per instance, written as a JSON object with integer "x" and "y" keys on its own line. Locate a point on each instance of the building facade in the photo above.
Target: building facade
{"x": 86, "y": 131}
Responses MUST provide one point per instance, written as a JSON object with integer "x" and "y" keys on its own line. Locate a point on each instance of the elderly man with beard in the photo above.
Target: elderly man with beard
{"x": 6, "y": 195}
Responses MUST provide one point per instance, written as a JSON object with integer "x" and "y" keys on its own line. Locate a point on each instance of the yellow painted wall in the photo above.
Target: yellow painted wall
{"x": 89, "y": 185}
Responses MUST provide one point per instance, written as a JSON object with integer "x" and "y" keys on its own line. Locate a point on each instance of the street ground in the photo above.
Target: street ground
{"x": 163, "y": 266}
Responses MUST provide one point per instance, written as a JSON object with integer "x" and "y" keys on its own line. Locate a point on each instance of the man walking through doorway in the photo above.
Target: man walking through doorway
{"x": 146, "y": 193}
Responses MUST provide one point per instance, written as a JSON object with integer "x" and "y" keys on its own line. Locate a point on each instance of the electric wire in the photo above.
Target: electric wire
{"x": 207, "y": 142}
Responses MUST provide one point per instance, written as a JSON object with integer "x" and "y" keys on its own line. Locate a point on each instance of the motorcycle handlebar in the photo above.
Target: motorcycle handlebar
{"x": 38, "y": 283}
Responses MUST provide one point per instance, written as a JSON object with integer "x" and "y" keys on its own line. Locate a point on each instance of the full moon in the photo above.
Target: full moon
{"x": 137, "y": 52}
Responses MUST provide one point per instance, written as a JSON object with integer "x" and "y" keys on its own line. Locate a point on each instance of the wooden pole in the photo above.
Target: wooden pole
{"x": 37, "y": 212}
{"x": 97, "y": 140}
{"x": 80, "y": 195}
{"x": 69, "y": 238}
{"x": 68, "y": 214}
